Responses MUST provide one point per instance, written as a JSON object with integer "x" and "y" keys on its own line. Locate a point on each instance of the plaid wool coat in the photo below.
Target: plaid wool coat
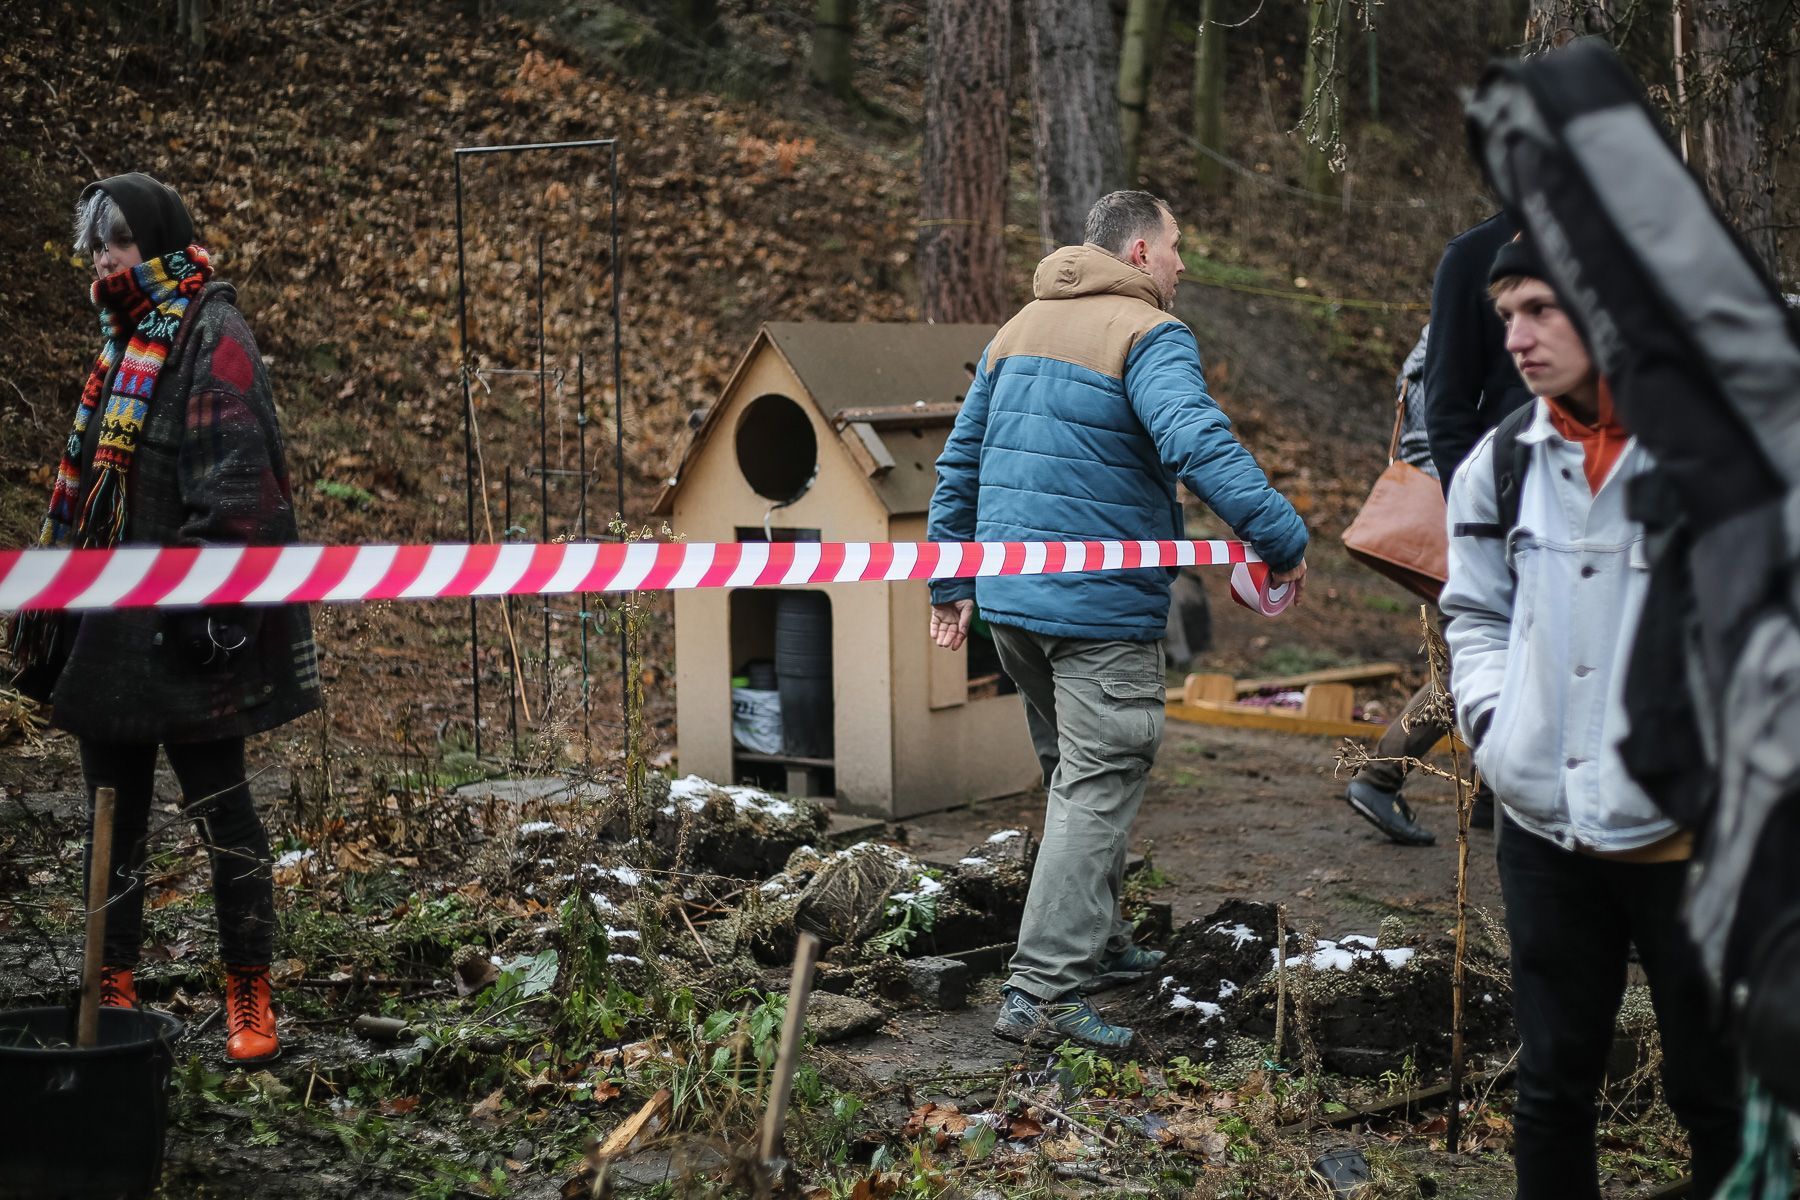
{"x": 209, "y": 470}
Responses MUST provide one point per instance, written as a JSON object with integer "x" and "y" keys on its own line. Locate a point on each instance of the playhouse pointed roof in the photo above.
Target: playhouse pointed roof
{"x": 900, "y": 383}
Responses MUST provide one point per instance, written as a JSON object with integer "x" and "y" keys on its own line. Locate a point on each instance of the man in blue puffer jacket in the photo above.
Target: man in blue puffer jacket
{"x": 1087, "y": 409}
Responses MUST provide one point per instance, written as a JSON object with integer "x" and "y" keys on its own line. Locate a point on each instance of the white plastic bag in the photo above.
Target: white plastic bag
{"x": 756, "y": 720}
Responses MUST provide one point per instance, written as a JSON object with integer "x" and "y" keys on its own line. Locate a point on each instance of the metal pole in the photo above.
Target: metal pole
{"x": 618, "y": 340}
{"x": 506, "y": 608}
{"x": 587, "y": 734}
{"x": 543, "y": 469}
{"x": 462, "y": 325}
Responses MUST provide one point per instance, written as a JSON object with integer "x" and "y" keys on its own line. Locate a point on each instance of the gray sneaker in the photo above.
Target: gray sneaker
{"x": 1388, "y": 812}
{"x": 1037, "y": 1022}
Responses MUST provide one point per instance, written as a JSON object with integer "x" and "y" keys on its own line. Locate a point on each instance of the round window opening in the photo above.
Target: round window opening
{"x": 776, "y": 449}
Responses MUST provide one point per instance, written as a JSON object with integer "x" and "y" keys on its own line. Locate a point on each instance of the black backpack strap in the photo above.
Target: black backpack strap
{"x": 1511, "y": 458}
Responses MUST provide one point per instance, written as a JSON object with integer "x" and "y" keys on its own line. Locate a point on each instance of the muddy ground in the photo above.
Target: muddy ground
{"x": 1232, "y": 817}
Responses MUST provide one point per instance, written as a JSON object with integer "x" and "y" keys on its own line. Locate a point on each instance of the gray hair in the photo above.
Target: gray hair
{"x": 99, "y": 221}
{"x": 1120, "y": 218}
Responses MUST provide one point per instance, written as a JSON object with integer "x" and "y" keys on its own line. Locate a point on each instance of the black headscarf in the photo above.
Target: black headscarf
{"x": 158, "y": 219}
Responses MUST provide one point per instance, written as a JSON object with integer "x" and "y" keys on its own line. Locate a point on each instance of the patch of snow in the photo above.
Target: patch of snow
{"x": 971, "y": 862}
{"x": 625, "y": 958}
{"x": 692, "y": 792}
{"x": 1345, "y": 954}
{"x": 923, "y": 885}
{"x": 1357, "y": 939}
{"x": 623, "y": 933}
{"x": 1205, "y": 1009}
{"x": 1239, "y": 933}
{"x": 624, "y": 875}
{"x": 1227, "y": 989}
{"x": 1005, "y": 835}
{"x": 532, "y": 827}
{"x": 292, "y": 858}
{"x": 602, "y": 903}
{"x": 1209, "y": 1043}
{"x": 1167, "y": 981}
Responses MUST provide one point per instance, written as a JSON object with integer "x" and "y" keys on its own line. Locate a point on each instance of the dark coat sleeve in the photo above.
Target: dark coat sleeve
{"x": 1456, "y": 357}
{"x": 233, "y": 483}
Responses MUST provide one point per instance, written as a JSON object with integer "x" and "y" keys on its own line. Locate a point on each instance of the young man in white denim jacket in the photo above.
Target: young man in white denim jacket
{"x": 1540, "y": 618}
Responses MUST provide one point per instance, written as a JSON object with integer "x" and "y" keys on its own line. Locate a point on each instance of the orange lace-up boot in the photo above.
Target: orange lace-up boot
{"x": 118, "y": 988}
{"x": 249, "y": 1017}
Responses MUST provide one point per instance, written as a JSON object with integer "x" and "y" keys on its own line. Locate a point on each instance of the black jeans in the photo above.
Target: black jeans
{"x": 217, "y": 797}
{"x": 1572, "y": 919}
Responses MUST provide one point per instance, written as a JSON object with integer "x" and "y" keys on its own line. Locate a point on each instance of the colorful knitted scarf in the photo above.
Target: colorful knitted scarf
{"x": 145, "y": 305}
{"x": 140, "y": 314}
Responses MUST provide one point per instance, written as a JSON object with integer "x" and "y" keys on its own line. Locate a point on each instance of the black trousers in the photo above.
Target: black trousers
{"x": 217, "y": 797}
{"x": 1572, "y": 919}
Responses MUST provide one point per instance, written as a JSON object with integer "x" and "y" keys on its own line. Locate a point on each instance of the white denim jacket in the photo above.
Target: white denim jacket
{"x": 1543, "y": 647}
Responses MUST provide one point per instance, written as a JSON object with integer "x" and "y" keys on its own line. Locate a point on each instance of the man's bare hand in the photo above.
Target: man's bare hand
{"x": 1295, "y": 575}
{"x": 950, "y": 623}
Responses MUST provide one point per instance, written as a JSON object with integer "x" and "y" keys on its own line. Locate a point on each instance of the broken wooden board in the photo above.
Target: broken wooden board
{"x": 1243, "y": 716}
{"x": 641, "y": 1124}
{"x": 1281, "y": 720}
{"x": 1360, "y": 673}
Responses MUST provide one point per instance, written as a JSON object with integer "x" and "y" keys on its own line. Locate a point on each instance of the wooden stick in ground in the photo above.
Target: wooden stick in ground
{"x": 1437, "y": 654}
{"x": 87, "y": 1023}
{"x": 806, "y": 954}
{"x": 1280, "y": 979}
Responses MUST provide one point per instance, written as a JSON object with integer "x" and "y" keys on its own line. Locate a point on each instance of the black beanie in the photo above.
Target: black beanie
{"x": 158, "y": 219}
{"x": 1517, "y": 257}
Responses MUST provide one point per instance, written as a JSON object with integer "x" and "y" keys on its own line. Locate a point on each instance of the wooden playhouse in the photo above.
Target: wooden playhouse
{"x": 831, "y": 432}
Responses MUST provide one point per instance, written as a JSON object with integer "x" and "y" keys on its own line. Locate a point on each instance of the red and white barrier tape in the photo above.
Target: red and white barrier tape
{"x": 170, "y": 577}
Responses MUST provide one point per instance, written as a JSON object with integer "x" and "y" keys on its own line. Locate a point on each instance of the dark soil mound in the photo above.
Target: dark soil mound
{"x": 1367, "y": 1007}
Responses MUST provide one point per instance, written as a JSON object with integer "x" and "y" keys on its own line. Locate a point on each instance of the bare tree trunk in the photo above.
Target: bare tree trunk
{"x": 190, "y": 22}
{"x": 1075, "y": 114}
{"x": 1137, "y": 61}
{"x": 1209, "y": 98}
{"x": 1734, "y": 151}
{"x": 834, "y": 27}
{"x": 962, "y": 235}
{"x": 1321, "y": 120}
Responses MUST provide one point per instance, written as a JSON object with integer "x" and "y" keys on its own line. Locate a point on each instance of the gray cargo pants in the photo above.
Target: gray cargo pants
{"x": 1095, "y": 711}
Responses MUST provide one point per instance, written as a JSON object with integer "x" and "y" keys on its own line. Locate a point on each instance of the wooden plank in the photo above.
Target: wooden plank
{"x": 646, "y": 1121}
{"x": 1209, "y": 685}
{"x": 782, "y": 760}
{"x": 917, "y": 415}
{"x": 1360, "y": 673}
{"x": 1328, "y": 702}
{"x": 1241, "y": 716}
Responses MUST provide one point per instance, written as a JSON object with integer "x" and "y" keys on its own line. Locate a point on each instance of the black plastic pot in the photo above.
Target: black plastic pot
{"x": 76, "y": 1124}
{"x": 803, "y": 672}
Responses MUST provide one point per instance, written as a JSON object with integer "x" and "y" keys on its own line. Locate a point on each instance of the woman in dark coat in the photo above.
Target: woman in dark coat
{"x": 175, "y": 443}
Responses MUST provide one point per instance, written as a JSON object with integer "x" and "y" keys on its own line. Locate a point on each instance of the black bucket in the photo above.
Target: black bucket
{"x": 87, "y": 1123}
{"x": 803, "y": 672}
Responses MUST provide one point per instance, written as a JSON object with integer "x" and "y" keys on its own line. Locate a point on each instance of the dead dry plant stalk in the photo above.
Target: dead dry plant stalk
{"x": 1438, "y": 655}
{"x": 1280, "y": 979}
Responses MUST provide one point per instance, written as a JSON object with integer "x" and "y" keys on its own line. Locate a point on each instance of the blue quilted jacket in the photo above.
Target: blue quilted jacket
{"x": 1087, "y": 408}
